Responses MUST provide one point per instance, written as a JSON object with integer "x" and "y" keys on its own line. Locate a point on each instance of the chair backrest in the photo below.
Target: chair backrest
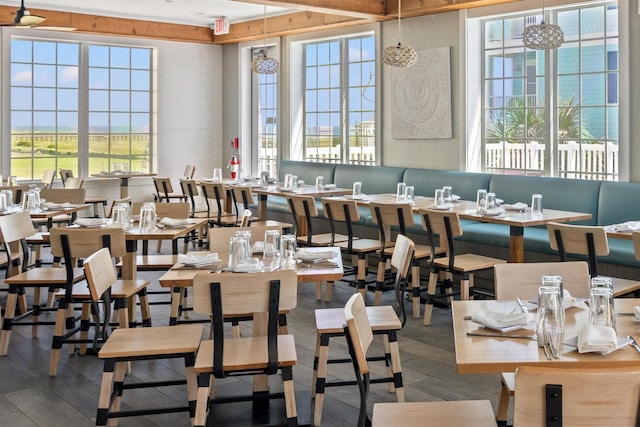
{"x": 589, "y": 397}
{"x": 163, "y": 187}
{"x": 85, "y": 241}
{"x": 359, "y": 337}
{"x": 190, "y": 191}
{"x": 63, "y": 195}
{"x": 64, "y": 174}
{"x": 242, "y": 197}
{"x": 123, "y": 200}
{"x": 72, "y": 182}
{"x": 522, "y": 280}
{"x": 636, "y": 244}
{"x": 99, "y": 272}
{"x": 177, "y": 210}
{"x": 16, "y": 226}
{"x": 444, "y": 224}
{"x": 47, "y": 178}
{"x": 387, "y": 215}
{"x": 305, "y": 206}
{"x": 590, "y": 241}
{"x": 17, "y": 191}
{"x": 401, "y": 261}
{"x": 189, "y": 171}
{"x": 214, "y": 191}
{"x": 219, "y": 237}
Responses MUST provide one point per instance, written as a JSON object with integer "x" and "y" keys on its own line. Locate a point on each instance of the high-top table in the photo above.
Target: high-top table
{"x": 124, "y": 179}
{"x": 516, "y": 220}
{"x": 482, "y": 354}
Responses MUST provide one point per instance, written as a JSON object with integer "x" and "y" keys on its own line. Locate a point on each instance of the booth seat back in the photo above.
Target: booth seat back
{"x": 307, "y": 171}
{"x": 575, "y": 195}
{"x": 375, "y": 179}
{"x": 463, "y": 184}
{"x": 618, "y": 202}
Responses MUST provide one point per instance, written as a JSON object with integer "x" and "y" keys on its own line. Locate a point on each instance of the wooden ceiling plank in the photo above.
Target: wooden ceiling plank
{"x": 413, "y": 8}
{"x": 355, "y": 8}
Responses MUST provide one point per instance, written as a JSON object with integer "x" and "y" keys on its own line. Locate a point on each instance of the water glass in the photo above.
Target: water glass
{"x": 147, "y": 219}
{"x": 438, "y": 198}
{"x": 237, "y": 251}
{"x": 550, "y": 317}
{"x": 119, "y": 216}
{"x": 127, "y": 210}
{"x": 601, "y": 282}
{"x": 28, "y": 201}
{"x": 357, "y": 189}
{"x": 555, "y": 280}
{"x": 536, "y": 204}
{"x": 447, "y": 193}
{"x": 294, "y": 181}
{"x": 217, "y": 174}
{"x": 246, "y": 235}
{"x": 319, "y": 183}
{"x": 288, "y": 181}
{"x": 125, "y": 167}
{"x": 13, "y": 181}
{"x": 400, "y": 191}
{"x": 409, "y": 194}
{"x": 3, "y": 201}
{"x": 491, "y": 201}
{"x": 288, "y": 252}
{"x": 481, "y": 199}
{"x": 601, "y": 310}
{"x": 9, "y": 193}
{"x": 271, "y": 242}
{"x": 115, "y": 167}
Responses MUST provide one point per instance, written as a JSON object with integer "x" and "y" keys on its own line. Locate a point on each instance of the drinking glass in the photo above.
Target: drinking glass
{"x": 288, "y": 181}
{"x": 288, "y": 252}
{"x": 125, "y": 167}
{"x": 481, "y": 199}
{"x": 119, "y": 216}
{"x": 237, "y": 251}
{"x": 601, "y": 282}
{"x": 555, "y": 280}
{"x": 319, "y": 183}
{"x": 294, "y": 181}
{"x": 36, "y": 197}
{"x": 400, "y": 191}
{"x": 2, "y": 181}
{"x": 10, "y": 201}
{"x": 28, "y": 201}
{"x": 217, "y": 174}
{"x": 127, "y": 210}
{"x": 438, "y": 198}
{"x": 447, "y": 193}
{"x": 246, "y": 235}
{"x": 550, "y": 317}
{"x": 3, "y": 201}
{"x": 409, "y": 194}
{"x": 271, "y": 242}
{"x": 357, "y": 189}
{"x": 601, "y": 310}
{"x": 536, "y": 204}
{"x": 491, "y": 201}
{"x": 13, "y": 181}
{"x": 115, "y": 167}
{"x": 147, "y": 219}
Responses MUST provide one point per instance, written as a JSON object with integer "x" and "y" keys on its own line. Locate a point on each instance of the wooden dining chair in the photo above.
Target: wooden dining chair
{"x": 339, "y": 211}
{"x": 64, "y": 174}
{"x": 359, "y": 335}
{"x": 385, "y": 320}
{"x": 398, "y": 216}
{"x": 443, "y": 227}
{"x": 215, "y": 195}
{"x": 73, "y": 182}
{"x": 264, "y": 295}
{"x": 75, "y": 245}
{"x": 522, "y": 280}
{"x": 577, "y": 397}
{"x": 48, "y": 176}
{"x": 242, "y": 201}
{"x": 164, "y": 190}
{"x": 96, "y": 201}
{"x": 16, "y": 228}
{"x": 590, "y": 242}
{"x": 196, "y": 209}
{"x": 189, "y": 171}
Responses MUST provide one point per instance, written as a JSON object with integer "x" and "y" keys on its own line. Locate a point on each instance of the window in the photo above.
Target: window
{"x": 265, "y": 102}
{"x": 339, "y": 100}
{"x": 49, "y": 128}
{"x": 572, "y": 134}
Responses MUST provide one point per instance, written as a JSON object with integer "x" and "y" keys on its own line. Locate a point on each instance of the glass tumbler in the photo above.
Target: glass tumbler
{"x": 409, "y": 194}
{"x": 481, "y": 199}
{"x": 237, "y": 251}
{"x": 147, "y": 219}
{"x": 601, "y": 310}
{"x": 536, "y": 204}
{"x": 319, "y": 183}
{"x": 119, "y": 216}
{"x": 288, "y": 252}
{"x": 3, "y": 201}
{"x": 217, "y": 174}
{"x": 438, "y": 200}
{"x": 550, "y": 317}
{"x": 401, "y": 189}
{"x": 271, "y": 242}
{"x": 447, "y": 193}
{"x": 357, "y": 189}
{"x": 246, "y": 235}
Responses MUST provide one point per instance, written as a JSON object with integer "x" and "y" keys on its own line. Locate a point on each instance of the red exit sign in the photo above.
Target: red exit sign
{"x": 221, "y": 26}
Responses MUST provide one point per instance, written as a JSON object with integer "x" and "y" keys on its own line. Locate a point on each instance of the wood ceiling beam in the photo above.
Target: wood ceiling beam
{"x": 413, "y": 8}
{"x": 364, "y": 9}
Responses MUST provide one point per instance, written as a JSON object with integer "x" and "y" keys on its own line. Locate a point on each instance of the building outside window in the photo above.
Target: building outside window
{"x": 265, "y": 102}
{"x": 552, "y": 112}
{"x": 339, "y": 100}
{"x": 69, "y": 98}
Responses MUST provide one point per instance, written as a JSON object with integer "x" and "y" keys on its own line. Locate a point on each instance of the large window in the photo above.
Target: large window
{"x": 53, "y": 81}
{"x": 265, "y": 102}
{"x": 552, "y": 112}
{"x": 339, "y": 102}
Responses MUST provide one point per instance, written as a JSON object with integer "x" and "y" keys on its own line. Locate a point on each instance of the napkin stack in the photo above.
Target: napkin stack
{"x": 597, "y": 338}
{"x": 568, "y": 300}
{"x": 491, "y": 212}
{"x": 91, "y": 222}
{"x": 250, "y": 265}
{"x": 314, "y": 255}
{"x": 498, "y": 320}
{"x": 199, "y": 260}
{"x": 518, "y": 206}
{"x": 625, "y": 226}
{"x": 172, "y": 222}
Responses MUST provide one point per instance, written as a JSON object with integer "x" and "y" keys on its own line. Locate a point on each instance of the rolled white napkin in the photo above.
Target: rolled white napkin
{"x": 567, "y": 299}
{"x": 625, "y": 226}
{"x": 491, "y": 212}
{"x": 197, "y": 259}
{"x": 453, "y": 198}
{"x": 499, "y": 320}
{"x": 305, "y": 255}
{"x": 329, "y": 186}
{"x": 250, "y": 265}
{"x": 173, "y": 222}
{"x": 91, "y": 222}
{"x": 596, "y": 338}
{"x": 499, "y": 201}
{"x": 518, "y": 206}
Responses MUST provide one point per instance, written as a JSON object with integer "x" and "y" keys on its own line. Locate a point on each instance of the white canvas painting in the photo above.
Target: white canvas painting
{"x": 421, "y": 97}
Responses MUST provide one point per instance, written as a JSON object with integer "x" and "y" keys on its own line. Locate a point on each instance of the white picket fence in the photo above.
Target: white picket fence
{"x": 575, "y": 160}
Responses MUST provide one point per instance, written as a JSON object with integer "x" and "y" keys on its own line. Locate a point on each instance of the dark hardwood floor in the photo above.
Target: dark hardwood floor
{"x": 29, "y": 397}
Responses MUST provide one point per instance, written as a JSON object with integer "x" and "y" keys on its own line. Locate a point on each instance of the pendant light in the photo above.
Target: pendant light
{"x": 263, "y": 64}
{"x": 399, "y": 56}
{"x": 543, "y": 35}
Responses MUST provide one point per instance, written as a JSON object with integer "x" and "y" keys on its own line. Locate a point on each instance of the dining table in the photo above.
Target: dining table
{"x": 124, "y": 179}
{"x": 180, "y": 276}
{"x": 517, "y": 220}
{"x": 484, "y": 350}
{"x": 49, "y": 213}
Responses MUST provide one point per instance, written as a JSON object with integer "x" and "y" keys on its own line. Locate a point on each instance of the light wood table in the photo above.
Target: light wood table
{"x": 516, "y": 220}
{"x": 476, "y": 354}
{"x": 49, "y": 214}
{"x": 180, "y": 277}
{"x": 124, "y": 179}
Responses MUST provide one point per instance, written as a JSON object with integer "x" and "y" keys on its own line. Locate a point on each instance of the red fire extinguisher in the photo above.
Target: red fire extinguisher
{"x": 233, "y": 166}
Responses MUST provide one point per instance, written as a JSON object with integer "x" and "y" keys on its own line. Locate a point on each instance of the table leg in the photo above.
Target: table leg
{"x": 516, "y": 244}
{"x": 124, "y": 187}
{"x": 129, "y": 261}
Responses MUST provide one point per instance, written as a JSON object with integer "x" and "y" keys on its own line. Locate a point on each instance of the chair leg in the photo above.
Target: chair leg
{"x": 362, "y": 274}
{"x": 503, "y": 406}
{"x": 327, "y": 292}
{"x": 319, "y": 376}
{"x": 318, "y": 291}
{"x": 105, "y": 392}
{"x": 143, "y": 298}
{"x": 58, "y": 332}
{"x": 36, "y": 311}
{"x": 202, "y": 400}
{"x": 289, "y": 396}
{"x": 431, "y": 292}
{"x": 391, "y": 346}
{"x": 84, "y": 331}
{"x": 7, "y": 324}
{"x": 380, "y": 275}
{"x": 415, "y": 290}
